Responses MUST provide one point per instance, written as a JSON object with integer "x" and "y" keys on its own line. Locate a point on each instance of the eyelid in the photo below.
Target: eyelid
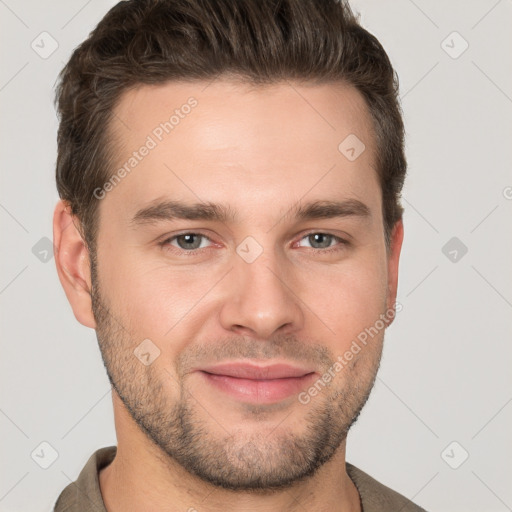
{"x": 168, "y": 239}
{"x": 342, "y": 242}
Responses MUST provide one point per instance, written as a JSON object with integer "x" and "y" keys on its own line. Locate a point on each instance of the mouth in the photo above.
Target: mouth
{"x": 256, "y": 383}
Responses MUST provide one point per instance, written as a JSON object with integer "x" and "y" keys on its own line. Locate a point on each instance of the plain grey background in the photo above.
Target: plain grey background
{"x": 437, "y": 426}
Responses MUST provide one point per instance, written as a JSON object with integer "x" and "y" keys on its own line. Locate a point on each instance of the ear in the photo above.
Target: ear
{"x": 397, "y": 237}
{"x": 72, "y": 261}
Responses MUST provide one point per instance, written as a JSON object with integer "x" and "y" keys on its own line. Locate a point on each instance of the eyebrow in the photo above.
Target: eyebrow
{"x": 169, "y": 210}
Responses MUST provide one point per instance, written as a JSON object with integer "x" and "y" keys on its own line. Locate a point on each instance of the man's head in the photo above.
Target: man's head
{"x": 252, "y": 128}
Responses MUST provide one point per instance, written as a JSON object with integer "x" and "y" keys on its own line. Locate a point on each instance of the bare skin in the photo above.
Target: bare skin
{"x": 260, "y": 151}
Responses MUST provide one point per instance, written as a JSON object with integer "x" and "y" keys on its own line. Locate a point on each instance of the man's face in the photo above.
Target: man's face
{"x": 262, "y": 289}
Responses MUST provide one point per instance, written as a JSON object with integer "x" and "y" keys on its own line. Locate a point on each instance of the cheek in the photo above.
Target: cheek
{"x": 348, "y": 298}
{"x": 153, "y": 301}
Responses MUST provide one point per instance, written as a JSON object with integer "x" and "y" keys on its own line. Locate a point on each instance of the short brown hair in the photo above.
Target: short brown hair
{"x": 260, "y": 41}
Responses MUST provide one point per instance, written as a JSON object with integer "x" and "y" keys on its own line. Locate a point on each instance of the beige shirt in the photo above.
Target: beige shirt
{"x": 84, "y": 494}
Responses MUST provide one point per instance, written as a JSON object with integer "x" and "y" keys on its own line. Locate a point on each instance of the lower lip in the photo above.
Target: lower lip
{"x": 259, "y": 391}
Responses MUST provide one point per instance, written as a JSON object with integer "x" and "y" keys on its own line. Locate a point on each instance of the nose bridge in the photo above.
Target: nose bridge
{"x": 261, "y": 298}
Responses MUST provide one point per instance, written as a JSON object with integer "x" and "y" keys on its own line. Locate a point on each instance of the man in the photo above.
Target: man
{"x": 230, "y": 225}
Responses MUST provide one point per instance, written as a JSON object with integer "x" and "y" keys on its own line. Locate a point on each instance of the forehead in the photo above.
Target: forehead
{"x": 253, "y": 144}
{"x": 262, "y": 110}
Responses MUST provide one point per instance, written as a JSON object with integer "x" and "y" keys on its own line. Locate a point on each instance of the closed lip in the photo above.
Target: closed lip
{"x": 255, "y": 371}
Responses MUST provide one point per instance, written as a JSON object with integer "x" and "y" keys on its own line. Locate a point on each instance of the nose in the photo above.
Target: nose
{"x": 261, "y": 299}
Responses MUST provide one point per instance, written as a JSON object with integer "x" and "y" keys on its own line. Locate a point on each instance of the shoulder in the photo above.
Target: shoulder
{"x": 85, "y": 490}
{"x": 376, "y": 497}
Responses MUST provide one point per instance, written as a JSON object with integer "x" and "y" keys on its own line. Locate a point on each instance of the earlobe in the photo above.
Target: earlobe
{"x": 397, "y": 236}
{"x": 73, "y": 265}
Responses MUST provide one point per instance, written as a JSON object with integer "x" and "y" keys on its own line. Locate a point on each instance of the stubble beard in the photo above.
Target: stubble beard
{"x": 184, "y": 433}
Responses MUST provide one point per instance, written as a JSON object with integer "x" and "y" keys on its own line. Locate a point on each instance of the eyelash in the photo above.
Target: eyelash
{"x": 193, "y": 252}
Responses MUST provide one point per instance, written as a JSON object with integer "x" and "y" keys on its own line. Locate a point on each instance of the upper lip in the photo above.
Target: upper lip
{"x": 257, "y": 371}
